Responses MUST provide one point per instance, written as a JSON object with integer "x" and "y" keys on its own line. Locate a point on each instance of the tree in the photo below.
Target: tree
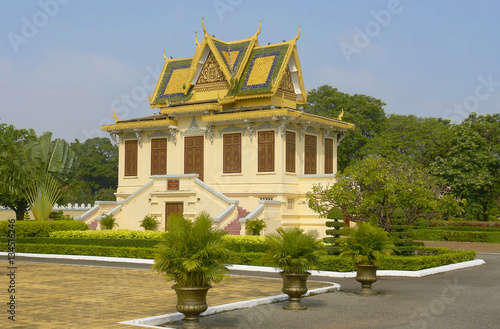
{"x": 39, "y": 169}
{"x": 472, "y": 167}
{"x": 372, "y": 189}
{"x": 98, "y": 171}
{"x": 15, "y": 201}
{"x": 365, "y": 112}
{"x": 407, "y": 138}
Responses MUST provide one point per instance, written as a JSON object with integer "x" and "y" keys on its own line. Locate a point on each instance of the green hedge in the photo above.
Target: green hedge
{"x": 442, "y": 223}
{"x": 463, "y": 228}
{"x": 435, "y": 257}
{"x": 108, "y": 234}
{"x": 449, "y": 235}
{"x": 134, "y": 243}
{"x": 107, "y": 251}
{"x": 32, "y": 228}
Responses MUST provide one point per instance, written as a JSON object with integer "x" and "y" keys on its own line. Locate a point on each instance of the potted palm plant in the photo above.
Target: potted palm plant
{"x": 193, "y": 254}
{"x": 294, "y": 252}
{"x": 366, "y": 245}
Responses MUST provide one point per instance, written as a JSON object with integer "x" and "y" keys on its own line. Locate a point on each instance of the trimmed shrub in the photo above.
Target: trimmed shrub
{"x": 106, "y": 251}
{"x": 336, "y": 214}
{"x": 29, "y": 228}
{"x": 59, "y": 215}
{"x": 109, "y": 234}
{"x": 449, "y": 235}
{"x": 429, "y": 257}
{"x": 135, "y": 243}
{"x": 435, "y": 223}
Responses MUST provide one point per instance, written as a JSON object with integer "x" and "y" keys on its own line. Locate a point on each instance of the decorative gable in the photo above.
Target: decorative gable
{"x": 211, "y": 73}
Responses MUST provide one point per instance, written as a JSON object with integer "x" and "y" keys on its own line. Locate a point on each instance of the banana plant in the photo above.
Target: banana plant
{"x": 40, "y": 169}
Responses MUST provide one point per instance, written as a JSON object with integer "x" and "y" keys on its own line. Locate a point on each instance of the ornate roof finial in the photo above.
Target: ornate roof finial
{"x": 203, "y": 24}
{"x": 164, "y": 57}
{"x": 196, "y": 38}
{"x": 298, "y": 35}
{"x": 340, "y": 115}
{"x": 258, "y": 31}
{"x": 115, "y": 116}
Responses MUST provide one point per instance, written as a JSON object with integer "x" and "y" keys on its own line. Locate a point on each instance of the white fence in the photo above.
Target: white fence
{"x": 76, "y": 206}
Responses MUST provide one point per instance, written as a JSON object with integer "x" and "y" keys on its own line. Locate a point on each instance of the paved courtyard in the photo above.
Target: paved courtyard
{"x": 52, "y": 295}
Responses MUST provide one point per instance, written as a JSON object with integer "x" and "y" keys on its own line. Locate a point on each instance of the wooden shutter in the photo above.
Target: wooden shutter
{"x": 159, "y": 156}
{"x": 310, "y": 155}
{"x": 232, "y": 153}
{"x": 290, "y": 152}
{"x": 328, "y": 156}
{"x": 193, "y": 155}
{"x": 266, "y": 151}
{"x": 131, "y": 158}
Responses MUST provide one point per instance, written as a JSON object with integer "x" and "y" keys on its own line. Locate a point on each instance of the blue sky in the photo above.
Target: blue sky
{"x": 66, "y": 64}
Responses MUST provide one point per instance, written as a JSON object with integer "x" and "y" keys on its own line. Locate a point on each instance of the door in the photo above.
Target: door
{"x": 193, "y": 155}
{"x": 176, "y": 208}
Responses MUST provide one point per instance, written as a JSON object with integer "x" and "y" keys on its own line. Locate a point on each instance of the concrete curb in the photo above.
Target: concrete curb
{"x": 156, "y": 321}
{"x": 264, "y": 269}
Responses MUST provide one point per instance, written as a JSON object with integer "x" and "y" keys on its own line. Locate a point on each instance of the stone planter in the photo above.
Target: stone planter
{"x": 366, "y": 275}
{"x": 294, "y": 285}
{"x": 191, "y": 302}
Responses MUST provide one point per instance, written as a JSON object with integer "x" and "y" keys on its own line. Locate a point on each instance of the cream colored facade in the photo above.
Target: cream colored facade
{"x": 246, "y": 91}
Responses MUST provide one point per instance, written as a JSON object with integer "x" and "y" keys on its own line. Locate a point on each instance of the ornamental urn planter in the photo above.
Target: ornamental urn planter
{"x": 191, "y": 301}
{"x": 366, "y": 275}
{"x": 294, "y": 285}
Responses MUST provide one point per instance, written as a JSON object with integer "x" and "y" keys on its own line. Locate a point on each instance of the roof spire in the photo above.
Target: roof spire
{"x": 298, "y": 35}
{"x": 164, "y": 57}
{"x": 196, "y": 38}
{"x": 258, "y": 31}
{"x": 203, "y": 24}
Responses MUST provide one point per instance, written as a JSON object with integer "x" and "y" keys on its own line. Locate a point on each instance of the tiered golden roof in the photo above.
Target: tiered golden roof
{"x": 231, "y": 82}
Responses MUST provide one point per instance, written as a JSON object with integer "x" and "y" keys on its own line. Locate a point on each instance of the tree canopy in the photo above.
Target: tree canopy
{"x": 8, "y": 135}
{"x": 365, "y": 112}
{"x": 373, "y": 188}
{"x": 407, "y": 138}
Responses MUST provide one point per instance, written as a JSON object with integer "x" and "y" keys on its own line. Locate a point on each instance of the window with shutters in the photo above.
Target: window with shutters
{"x": 232, "y": 153}
{"x": 159, "y": 156}
{"x": 310, "y": 155}
{"x": 131, "y": 158}
{"x": 290, "y": 152}
{"x": 266, "y": 151}
{"x": 328, "y": 156}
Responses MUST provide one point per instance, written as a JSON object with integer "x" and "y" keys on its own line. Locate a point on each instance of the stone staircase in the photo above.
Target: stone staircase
{"x": 93, "y": 225}
{"x": 235, "y": 227}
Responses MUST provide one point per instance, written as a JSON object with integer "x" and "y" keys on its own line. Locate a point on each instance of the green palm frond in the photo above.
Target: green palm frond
{"x": 366, "y": 244}
{"x": 293, "y": 251}
{"x": 192, "y": 253}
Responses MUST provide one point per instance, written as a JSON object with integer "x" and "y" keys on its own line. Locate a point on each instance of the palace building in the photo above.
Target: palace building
{"x": 230, "y": 138}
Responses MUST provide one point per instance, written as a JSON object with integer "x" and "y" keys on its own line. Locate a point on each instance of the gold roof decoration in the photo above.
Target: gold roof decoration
{"x": 232, "y": 72}
{"x": 145, "y": 123}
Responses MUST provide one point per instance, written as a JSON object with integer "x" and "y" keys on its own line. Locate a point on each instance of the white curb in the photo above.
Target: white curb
{"x": 156, "y": 321}
{"x": 330, "y": 274}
